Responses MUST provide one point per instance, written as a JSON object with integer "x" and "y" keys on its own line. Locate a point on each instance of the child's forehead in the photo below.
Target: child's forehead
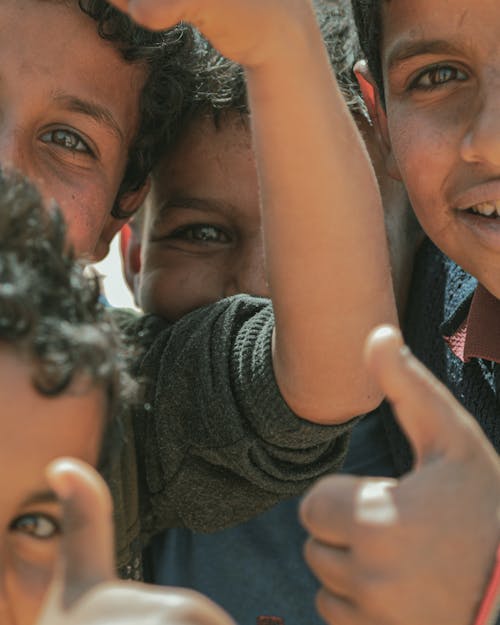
{"x": 205, "y": 139}
{"x": 67, "y": 424}
{"x": 411, "y": 27}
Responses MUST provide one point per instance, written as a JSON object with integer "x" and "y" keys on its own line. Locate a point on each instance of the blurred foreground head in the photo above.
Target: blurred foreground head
{"x": 62, "y": 375}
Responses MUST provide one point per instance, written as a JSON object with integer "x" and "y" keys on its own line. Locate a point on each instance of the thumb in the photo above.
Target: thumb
{"x": 87, "y": 544}
{"x": 435, "y": 423}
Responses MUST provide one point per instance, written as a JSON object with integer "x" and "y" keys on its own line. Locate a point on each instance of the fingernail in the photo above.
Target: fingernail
{"x": 375, "y": 505}
{"x": 59, "y": 476}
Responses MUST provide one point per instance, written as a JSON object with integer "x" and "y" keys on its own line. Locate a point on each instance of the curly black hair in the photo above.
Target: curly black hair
{"x": 218, "y": 84}
{"x": 50, "y": 311}
{"x": 164, "y": 55}
{"x": 368, "y": 19}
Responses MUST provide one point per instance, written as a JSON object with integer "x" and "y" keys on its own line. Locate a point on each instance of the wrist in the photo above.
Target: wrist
{"x": 288, "y": 43}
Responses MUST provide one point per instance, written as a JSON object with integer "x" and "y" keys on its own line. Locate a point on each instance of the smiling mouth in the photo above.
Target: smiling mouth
{"x": 489, "y": 210}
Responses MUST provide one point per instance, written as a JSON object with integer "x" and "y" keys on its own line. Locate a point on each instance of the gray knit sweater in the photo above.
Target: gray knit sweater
{"x": 213, "y": 443}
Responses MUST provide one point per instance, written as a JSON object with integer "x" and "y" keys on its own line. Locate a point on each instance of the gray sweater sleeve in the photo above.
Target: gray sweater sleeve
{"x": 216, "y": 442}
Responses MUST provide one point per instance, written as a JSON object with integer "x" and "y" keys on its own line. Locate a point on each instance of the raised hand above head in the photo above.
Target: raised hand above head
{"x": 243, "y": 30}
{"x": 418, "y": 551}
{"x": 85, "y": 590}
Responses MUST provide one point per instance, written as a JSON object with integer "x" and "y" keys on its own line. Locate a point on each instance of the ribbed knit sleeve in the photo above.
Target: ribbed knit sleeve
{"x": 216, "y": 442}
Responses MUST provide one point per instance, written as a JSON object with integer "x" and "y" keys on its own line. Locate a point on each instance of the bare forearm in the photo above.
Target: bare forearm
{"x": 325, "y": 242}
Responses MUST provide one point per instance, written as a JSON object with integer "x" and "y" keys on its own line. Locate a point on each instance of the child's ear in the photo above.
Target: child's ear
{"x": 378, "y": 116}
{"x": 129, "y": 204}
{"x": 130, "y": 248}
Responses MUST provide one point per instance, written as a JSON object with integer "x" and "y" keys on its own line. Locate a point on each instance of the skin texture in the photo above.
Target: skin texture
{"x": 441, "y": 125}
{"x": 84, "y": 590}
{"x": 407, "y": 551}
{"x": 201, "y": 230}
{"x": 30, "y": 513}
{"x": 74, "y": 157}
{"x": 202, "y": 239}
{"x": 313, "y": 220}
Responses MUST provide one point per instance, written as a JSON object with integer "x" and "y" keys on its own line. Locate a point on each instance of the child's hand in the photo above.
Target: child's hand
{"x": 85, "y": 590}
{"x": 418, "y": 551}
{"x": 250, "y": 32}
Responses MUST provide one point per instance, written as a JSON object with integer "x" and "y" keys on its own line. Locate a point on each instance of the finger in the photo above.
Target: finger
{"x": 327, "y": 510}
{"x": 87, "y": 544}
{"x": 336, "y": 506}
{"x": 161, "y": 15}
{"x": 433, "y": 420}
{"x": 336, "y": 610}
{"x": 134, "y": 603}
{"x": 332, "y": 566}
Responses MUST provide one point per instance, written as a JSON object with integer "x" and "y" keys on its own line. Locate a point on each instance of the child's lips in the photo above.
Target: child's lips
{"x": 478, "y": 210}
{"x": 486, "y": 209}
{"x": 485, "y": 230}
{"x": 482, "y": 197}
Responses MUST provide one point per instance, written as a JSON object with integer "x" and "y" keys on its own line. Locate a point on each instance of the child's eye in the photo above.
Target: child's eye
{"x": 66, "y": 139}
{"x": 436, "y": 76}
{"x": 201, "y": 233}
{"x": 36, "y": 525}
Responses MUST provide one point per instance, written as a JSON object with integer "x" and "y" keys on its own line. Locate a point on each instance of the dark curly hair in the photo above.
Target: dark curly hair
{"x": 164, "y": 55}
{"x": 368, "y": 20}
{"x": 219, "y": 85}
{"x": 50, "y": 311}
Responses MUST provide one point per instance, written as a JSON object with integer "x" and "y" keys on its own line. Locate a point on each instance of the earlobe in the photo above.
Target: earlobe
{"x": 367, "y": 86}
{"x": 378, "y": 116}
{"x": 130, "y": 248}
{"x": 129, "y": 204}
{"x": 132, "y": 201}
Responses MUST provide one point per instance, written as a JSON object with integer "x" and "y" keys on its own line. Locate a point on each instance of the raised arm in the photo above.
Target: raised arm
{"x": 325, "y": 243}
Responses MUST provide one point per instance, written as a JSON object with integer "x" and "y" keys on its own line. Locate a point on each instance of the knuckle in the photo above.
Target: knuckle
{"x": 330, "y": 608}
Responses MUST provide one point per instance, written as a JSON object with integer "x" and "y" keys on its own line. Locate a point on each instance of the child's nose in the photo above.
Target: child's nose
{"x": 248, "y": 275}
{"x": 13, "y": 155}
{"x": 481, "y": 143}
{"x": 7, "y": 616}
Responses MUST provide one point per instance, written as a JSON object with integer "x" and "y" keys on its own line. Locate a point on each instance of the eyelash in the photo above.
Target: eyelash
{"x": 457, "y": 75}
{"x": 184, "y": 232}
{"x": 49, "y": 136}
{"x": 27, "y": 524}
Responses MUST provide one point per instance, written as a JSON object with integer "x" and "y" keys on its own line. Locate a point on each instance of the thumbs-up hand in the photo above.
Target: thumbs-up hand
{"x": 417, "y": 551}
{"x": 84, "y": 590}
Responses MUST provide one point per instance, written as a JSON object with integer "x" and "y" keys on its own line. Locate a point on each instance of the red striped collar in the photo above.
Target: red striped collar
{"x": 479, "y": 334}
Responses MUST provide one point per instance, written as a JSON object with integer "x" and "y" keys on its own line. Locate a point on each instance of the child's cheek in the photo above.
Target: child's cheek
{"x": 27, "y": 580}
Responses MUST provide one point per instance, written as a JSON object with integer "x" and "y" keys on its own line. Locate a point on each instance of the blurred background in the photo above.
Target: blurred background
{"x": 110, "y": 269}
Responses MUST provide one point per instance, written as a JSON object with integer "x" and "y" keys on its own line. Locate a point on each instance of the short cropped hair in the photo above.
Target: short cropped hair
{"x": 50, "y": 311}
{"x": 368, "y": 20}
{"x": 164, "y": 56}
{"x": 219, "y": 85}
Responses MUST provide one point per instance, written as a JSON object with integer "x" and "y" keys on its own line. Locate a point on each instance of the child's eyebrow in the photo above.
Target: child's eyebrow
{"x": 200, "y": 204}
{"x": 97, "y": 112}
{"x": 406, "y": 49}
{"x": 43, "y": 496}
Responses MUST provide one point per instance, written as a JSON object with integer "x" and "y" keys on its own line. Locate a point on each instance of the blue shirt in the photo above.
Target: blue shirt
{"x": 257, "y": 568}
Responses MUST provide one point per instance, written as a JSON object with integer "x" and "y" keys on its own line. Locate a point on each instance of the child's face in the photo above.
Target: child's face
{"x": 202, "y": 239}
{"x": 441, "y": 65}
{"x": 68, "y": 112}
{"x": 29, "y": 513}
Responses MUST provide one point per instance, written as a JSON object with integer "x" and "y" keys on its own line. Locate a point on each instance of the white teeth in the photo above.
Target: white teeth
{"x": 487, "y": 208}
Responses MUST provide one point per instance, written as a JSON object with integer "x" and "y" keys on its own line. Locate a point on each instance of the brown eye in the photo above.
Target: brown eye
{"x": 201, "y": 233}
{"x": 38, "y": 526}
{"x": 66, "y": 139}
{"x": 438, "y": 75}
